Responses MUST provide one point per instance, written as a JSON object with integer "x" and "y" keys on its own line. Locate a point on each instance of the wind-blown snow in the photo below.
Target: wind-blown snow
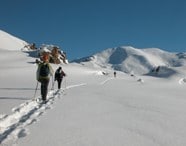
{"x": 94, "y": 108}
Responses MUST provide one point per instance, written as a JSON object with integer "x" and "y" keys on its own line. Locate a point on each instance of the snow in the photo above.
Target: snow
{"x": 132, "y": 60}
{"x": 16, "y": 43}
{"x": 94, "y": 108}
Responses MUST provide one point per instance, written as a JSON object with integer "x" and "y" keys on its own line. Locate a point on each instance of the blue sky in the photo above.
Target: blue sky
{"x": 84, "y": 27}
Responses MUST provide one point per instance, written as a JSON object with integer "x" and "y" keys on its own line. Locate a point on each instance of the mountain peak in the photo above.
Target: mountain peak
{"x": 132, "y": 60}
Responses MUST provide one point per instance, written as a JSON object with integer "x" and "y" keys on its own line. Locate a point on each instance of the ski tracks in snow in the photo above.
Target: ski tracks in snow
{"x": 105, "y": 81}
{"x": 112, "y": 78}
{"x": 14, "y": 126}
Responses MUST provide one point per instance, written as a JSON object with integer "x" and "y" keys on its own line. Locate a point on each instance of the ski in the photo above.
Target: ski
{"x": 52, "y": 95}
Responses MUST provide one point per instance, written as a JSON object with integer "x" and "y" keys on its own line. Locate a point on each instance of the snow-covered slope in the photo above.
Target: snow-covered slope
{"x": 93, "y": 109}
{"x": 132, "y": 60}
{"x": 9, "y": 42}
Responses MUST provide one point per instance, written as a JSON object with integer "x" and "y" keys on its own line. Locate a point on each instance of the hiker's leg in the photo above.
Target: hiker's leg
{"x": 44, "y": 88}
{"x": 59, "y": 86}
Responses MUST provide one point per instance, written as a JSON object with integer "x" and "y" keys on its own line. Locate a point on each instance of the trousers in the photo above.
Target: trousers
{"x": 59, "y": 82}
{"x": 44, "y": 88}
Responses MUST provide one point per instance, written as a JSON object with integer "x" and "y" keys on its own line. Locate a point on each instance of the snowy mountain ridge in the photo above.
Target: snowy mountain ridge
{"x": 131, "y": 60}
{"x": 10, "y": 42}
{"x": 125, "y": 58}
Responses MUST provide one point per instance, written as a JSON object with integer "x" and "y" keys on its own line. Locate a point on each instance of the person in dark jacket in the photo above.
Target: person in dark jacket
{"x": 59, "y": 74}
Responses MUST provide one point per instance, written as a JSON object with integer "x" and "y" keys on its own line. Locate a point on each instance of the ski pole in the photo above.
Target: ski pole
{"x": 35, "y": 90}
{"x": 65, "y": 83}
{"x": 65, "y": 86}
{"x": 52, "y": 83}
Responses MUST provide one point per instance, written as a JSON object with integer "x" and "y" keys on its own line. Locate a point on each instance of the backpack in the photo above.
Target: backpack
{"x": 44, "y": 70}
{"x": 59, "y": 74}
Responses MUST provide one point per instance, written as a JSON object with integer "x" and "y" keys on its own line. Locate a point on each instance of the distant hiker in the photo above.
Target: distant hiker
{"x": 59, "y": 74}
{"x": 44, "y": 72}
{"x": 157, "y": 69}
{"x": 114, "y": 74}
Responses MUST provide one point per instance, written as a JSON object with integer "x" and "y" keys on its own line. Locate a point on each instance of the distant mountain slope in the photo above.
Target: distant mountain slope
{"x": 9, "y": 42}
{"x": 132, "y": 60}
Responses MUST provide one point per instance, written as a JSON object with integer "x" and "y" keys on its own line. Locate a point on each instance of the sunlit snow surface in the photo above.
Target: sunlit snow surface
{"x": 94, "y": 108}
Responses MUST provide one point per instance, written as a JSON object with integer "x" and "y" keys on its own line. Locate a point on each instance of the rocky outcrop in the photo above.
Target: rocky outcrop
{"x": 56, "y": 55}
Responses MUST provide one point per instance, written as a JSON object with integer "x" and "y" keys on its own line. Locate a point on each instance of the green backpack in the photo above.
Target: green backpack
{"x": 43, "y": 71}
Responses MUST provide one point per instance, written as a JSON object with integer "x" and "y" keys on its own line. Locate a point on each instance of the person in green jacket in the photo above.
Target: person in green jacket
{"x": 44, "y": 72}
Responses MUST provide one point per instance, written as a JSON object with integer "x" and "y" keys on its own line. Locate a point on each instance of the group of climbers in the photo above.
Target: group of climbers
{"x": 44, "y": 72}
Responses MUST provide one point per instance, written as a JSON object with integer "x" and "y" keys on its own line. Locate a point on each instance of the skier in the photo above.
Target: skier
{"x": 44, "y": 72}
{"x": 59, "y": 74}
{"x": 114, "y": 74}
